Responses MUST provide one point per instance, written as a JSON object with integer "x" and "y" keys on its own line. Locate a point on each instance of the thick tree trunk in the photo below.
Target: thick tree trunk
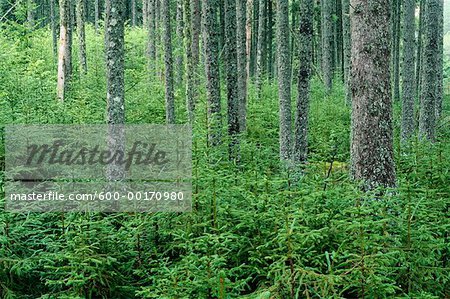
{"x": 372, "y": 145}
{"x": 168, "y": 62}
{"x": 440, "y": 63}
{"x": 65, "y": 50}
{"x": 241, "y": 38}
{"x": 179, "y": 42}
{"x": 261, "y": 46}
{"x": 210, "y": 41}
{"x": 304, "y": 76}
{"x": 427, "y": 118}
{"x": 347, "y": 48}
{"x": 327, "y": 44}
{"x": 231, "y": 78}
{"x": 81, "y": 36}
{"x": 408, "y": 87}
{"x": 114, "y": 44}
{"x": 284, "y": 78}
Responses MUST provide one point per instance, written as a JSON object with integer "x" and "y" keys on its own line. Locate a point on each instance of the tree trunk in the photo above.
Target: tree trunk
{"x": 396, "y": 48}
{"x": 269, "y": 39}
{"x": 318, "y": 35}
{"x": 372, "y": 145}
{"x": 114, "y": 40}
{"x": 261, "y": 55}
{"x": 427, "y": 117}
{"x": 440, "y": 63}
{"x": 284, "y": 78}
{"x": 196, "y": 24}
{"x": 254, "y": 42}
{"x": 133, "y": 13}
{"x": 241, "y": 38}
{"x": 327, "y": 44}
{"x": 347, "y": 49}
{"x": 30, "y": 13}
{"x": 150, "y": 23}
{"x": 81, "y": 36}
{"x": 232, "y": 77}
{"x": 179, "y": 42}
{"x": 408, "y": 84}
{"x": 53, "y": 26}
{"x": 210, "y": 41}
{"x": 419, "y": 74}
{"x": 146, "y": 10}
{"x": 339, "y": 39}
{"x": 190, "y": 67}
{"x": 304, "y": 76}
{"x": 248, "y": 30}
{"x": 96, "y": 15}
{"x": 168, "y": 62}
{"x": 65, "y": 50}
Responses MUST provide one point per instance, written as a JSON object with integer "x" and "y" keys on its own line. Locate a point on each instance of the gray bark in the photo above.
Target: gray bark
{"x": 96, "y": 15}
{"x": 30, "y": 13}
{"x": 427, "y": 117}
{"x": 190, "y": 67}
{"x": 231, "y": 77}
{"x": 408, "y": 84}
{"x": 347, "y": 48}
{"x": 179, "y": 43}
{"x": 396, "y": 48}
{"x": 146, "y": 10}
{"x": 65, "y": 50}
{"x": 196, "y": 24}
{"x": 168, "y": 62}
{"x": 284, "y": 78}
{"x": 133, "y": 13}
{"x": 241, "y": 35}
{"x": 260, "y": 56}
{"x": 371, "y": 142}
{"x": 53, "y": 26}
{"x": 210, "y": 41}
{"x": 304, "y": 76}
{"x": 249, "y": 38}
{"x": 419, "y": 74}
{"x": 440, "y": 63}
{"x": 150, "y": 22}
{"x": 327, "y": 44}
{"x": 81, "y": 36}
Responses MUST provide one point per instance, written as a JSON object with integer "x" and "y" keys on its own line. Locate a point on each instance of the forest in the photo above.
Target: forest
{"x": 320, "y": 145}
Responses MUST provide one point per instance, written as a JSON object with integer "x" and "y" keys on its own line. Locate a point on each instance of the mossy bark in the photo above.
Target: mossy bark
{"x": 371, "y": 141}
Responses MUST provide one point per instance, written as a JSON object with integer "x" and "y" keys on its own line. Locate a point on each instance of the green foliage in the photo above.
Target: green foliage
{"x": 256, "y": 230}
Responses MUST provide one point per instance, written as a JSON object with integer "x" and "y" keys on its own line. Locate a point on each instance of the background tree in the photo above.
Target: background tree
{"x": 327, "y": 43}
{"x": 190, "y": 67}
{"x": 372, "y": 144}
{"x": 241, "y": 37}
{"x": 65, "y": 49}
{"x": 408, "y": 77}
{"x": 81, "y": 36}
{"x": 284, "y": 78}
{"x": 347, "y": 50}
{"x": 210, "y": 41}
{"x": 440, "y": 59}
{"x": 396, "y": 33}
{"x": 261, "y": 46}
{"x": 168, "y": 62}
{"x": 306, "y": 38}
{"x": 53, "y": 27}
{"x": 179, "y": 44}
{"x": 427, "y": 118}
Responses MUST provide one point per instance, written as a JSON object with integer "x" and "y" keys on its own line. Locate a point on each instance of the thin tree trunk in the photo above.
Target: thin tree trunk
{"x": 318, "y": 35}
{"x": 150, "y": 22}
{"x": 396, "y": 49}
{"x": 439, "y": 65}
{"x": 304, "y": 75}
{"x": 327, "y": 44}
{"x": 30, "y": 13}
{"x": 269, "y": 38}
{"x": 64, "y": 52}
{"x": 408, "y": 88}
{"x": 114, "y": 43}
{"x": 81, "y": 36}
{"x": 231, "y": 61}
{"x": 96, "y": 15}
{"x": 261, "y": 55}
{"x": 53, "y": 26}
{"x": 196, "y": 24}
{"x": 284, "y": 78}
{"x": 179, "y": 42}
{"x": 241, "y": 38}
{"x": 254, "y": 44}
{"x": 133, "y": 13}
{"x": 146, "y": 11}
{"x": 339, "y": 40}
{"x": 427, "y": 117}
{"x": 190, "y": 67}
{"x": 372, "y": 141}
{"x": 168, "y": 62}
{"x": 419, "y": 74}
{"x": 248, "y": 38}
{"x": 347, "y": 48}
{"x": 210, "y": 41}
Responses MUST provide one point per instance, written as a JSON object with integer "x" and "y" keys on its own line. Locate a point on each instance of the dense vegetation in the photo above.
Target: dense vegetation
{"x": 257, "y": 230}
